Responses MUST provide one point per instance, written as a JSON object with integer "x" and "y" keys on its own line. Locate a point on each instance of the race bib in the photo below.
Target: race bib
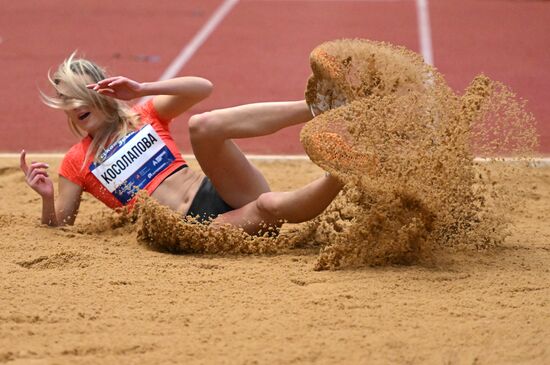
{"x": 132, "y": 162}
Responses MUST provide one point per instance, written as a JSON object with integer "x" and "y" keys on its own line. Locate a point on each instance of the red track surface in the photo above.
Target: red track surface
{"x": 259, "y": 52}
{"x": 507, "y": 40}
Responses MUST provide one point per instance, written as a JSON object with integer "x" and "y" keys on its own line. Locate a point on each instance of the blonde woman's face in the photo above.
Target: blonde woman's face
{"x": 85, "y": 117}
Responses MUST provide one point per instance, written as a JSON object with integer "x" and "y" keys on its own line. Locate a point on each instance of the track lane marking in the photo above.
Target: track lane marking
{"x": 533, "y": 162}
{"x": 189, "y": 50}
{"x": 330, "y": 1}
{"x": 424, "y": 31}
{"x": 198, "y": 40}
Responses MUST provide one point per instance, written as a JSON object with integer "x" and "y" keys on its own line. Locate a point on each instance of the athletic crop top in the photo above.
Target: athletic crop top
{"x": 141, "y": 160}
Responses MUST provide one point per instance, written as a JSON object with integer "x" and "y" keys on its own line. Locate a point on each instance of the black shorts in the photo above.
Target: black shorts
{"x": 207, "y": 203}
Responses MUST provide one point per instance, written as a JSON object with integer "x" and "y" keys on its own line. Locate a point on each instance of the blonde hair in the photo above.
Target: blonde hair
{"x": 70, "y": 80}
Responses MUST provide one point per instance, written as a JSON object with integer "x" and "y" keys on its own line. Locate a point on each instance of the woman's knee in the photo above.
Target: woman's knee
{"x": 269, "y": 206}
{"x": 204, "y": 126}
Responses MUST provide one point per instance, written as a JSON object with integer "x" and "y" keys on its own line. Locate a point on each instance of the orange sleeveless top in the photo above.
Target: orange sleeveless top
{"x": 141, "y": 161}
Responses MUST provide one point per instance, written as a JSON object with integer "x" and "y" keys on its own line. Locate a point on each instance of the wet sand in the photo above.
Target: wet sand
{"x": 75, "y": 295}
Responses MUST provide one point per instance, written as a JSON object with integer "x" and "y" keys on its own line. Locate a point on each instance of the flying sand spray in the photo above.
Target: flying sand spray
{"x": 389, "y": 127}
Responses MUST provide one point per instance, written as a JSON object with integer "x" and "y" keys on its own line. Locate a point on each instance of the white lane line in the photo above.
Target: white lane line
{"x": 331, "y": 1}
{"x": 424, "y": 31}
{"x": 189, "y": 50}
{"x": 198, "y": 40}
{"x": 537, "y": 161}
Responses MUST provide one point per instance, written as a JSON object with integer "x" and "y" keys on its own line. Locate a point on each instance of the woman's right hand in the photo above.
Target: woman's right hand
{"x": 36, "y": 176}
{"x": 118, "y": 87}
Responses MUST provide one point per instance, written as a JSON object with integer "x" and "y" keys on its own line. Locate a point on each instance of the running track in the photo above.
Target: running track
{"x": 257, "y": 50}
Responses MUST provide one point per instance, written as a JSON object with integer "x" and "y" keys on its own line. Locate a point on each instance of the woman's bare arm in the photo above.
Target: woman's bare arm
{"x": 171, "y": 97}
{"x": 68, "y": 201}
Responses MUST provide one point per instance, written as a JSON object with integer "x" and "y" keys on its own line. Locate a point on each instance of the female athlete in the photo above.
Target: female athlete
{"x": 125, "y": 149}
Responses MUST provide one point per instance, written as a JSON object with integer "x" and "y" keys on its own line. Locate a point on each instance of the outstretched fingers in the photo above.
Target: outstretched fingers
{"x": 103, "y": 83}
{"x": 118, "y": 87}
{"x": 119, "y": 81}
{"x": 107, "y": 92}
{"x": 37, "y": 169}
{"x": 37, "y": 179}
{"x": 33, "y": 167}
{"x": 36, "y": 176}
{"x": 23, "y": 162}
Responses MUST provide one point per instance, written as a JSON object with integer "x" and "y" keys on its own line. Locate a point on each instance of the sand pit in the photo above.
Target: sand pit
{"x": 91, "y": 293}
{"x": 471, "y": 242}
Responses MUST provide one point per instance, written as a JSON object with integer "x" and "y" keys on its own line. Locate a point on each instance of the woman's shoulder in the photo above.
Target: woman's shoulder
{"x": 148, "y": 113}
{"x": 71, "y": 165}
{"x": 77, "y": 152}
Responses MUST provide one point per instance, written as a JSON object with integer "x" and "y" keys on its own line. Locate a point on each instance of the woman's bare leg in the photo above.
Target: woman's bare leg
{"x": 235, "y": 178}
{"x": 293, "y": 207}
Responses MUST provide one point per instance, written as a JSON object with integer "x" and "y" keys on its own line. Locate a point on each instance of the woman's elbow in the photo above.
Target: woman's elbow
{"x": 206, "y": 87}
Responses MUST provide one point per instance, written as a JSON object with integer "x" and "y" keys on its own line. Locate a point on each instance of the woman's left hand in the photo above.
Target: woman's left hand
{"x": 118, "y": 87}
